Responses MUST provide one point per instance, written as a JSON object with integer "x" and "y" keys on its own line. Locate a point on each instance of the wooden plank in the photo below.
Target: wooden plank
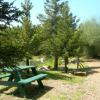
{"x": 9, "y": 69}
{"x": 80, "y": 73}
{"x": 17, "y": 68}
{"x": 28, "y": 80}
{"x": 25, "y": 67}
{"x": 4, "y": 75}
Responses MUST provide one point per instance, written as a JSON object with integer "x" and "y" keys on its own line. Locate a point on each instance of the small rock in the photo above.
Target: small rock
{"x": 44, "y": 68}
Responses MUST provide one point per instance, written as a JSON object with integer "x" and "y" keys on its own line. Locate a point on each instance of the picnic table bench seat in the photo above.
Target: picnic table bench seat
{"x": 23, "y": 81}
{"x": 4, "y": 75}
{"x": 28, "y": 80}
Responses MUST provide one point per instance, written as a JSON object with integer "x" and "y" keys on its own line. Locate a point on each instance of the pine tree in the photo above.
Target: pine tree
{"x": 27, "y": 27}
{"x": 8, "y": 13}
{"x": 50, "y": 23}
{"x": 59, "y": 27}
{"x": 67, "y": 28}
{"x": 9, "y": 49}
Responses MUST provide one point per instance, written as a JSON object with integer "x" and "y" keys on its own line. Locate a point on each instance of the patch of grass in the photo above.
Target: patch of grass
{"x": 2, "y": 87}
{"x": 54, "y": 97}
{"x": 46, "y": 62}
{"x": 74, "y": 65}
{"x": 77, "y": 79}
{"x": 77, "y": 95}
{"x": 58, "y": 75}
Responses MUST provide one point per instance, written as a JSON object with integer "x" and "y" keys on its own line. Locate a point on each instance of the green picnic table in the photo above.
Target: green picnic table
{"x": 15, "y": 77}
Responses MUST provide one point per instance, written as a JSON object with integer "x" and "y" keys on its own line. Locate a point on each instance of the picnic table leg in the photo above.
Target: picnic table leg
{"x": 11, "y": 77}
{"x": 34, "y": 72}
{"x": 40, "y": 83}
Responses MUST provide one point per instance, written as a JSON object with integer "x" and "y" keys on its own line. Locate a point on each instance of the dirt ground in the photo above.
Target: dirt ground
{"x": 88, "y": 90}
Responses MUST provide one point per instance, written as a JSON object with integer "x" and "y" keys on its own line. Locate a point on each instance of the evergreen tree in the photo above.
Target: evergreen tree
{"x": 90, "y": 36}
{"x": 67, "y": 28}
{"x": 9, "y": 49}
{"x": 8, "y": 13}
{"x": 51, "y": 42}
{"x": 11, "y": 46}
{"x": 59, "y": 28}
{"x": 27, "y": 28}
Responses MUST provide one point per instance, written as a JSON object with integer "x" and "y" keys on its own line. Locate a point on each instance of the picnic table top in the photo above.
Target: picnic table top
{"x": 17, "y": 68}
{"x": 25, "y": 67}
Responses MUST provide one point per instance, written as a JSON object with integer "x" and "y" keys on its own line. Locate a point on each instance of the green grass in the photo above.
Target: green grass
{"x": 50, "y": 62}
{"x": 2, "y": 87}
{"x": 47, "y": 61}
{"x": 77, "y": 95}
{"x": 54, "y": 97}
{"x": 66, "y": 78}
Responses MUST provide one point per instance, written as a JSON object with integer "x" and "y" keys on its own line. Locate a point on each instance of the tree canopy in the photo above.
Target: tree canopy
{"x": 59, "y": 26}
{"x": 8, "y": 13}
{"x": 8, "y": 42}
{"x": 91, "y": 37}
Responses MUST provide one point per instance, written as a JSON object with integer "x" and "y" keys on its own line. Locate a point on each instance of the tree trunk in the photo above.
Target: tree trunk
{"x": 78, "y": 61}
{"x": 27, "y": 62}
{"x": 66, "y": 63}
{"x": 56, "y": 61}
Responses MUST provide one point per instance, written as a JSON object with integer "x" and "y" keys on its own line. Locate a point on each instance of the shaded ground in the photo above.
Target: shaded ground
{"x": 56, "y": 89}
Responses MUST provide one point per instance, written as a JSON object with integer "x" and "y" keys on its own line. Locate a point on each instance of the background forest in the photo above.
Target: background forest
{"x": 59, "y": 34}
